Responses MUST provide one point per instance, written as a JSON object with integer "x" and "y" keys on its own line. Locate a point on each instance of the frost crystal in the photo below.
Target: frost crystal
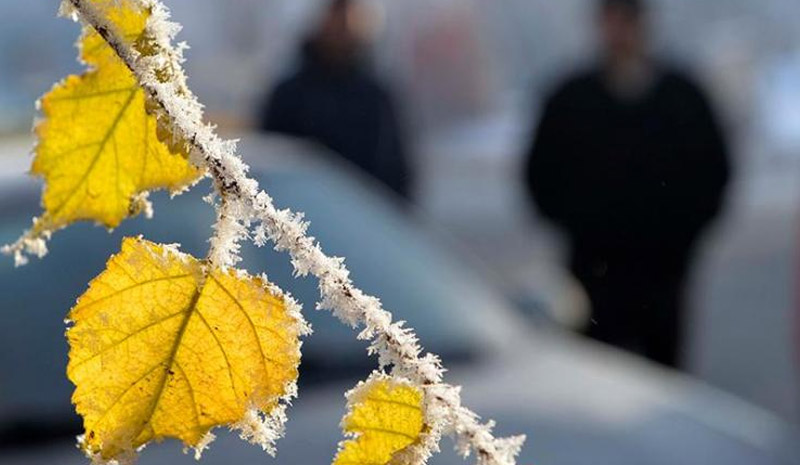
{"x": 203, "y": 445}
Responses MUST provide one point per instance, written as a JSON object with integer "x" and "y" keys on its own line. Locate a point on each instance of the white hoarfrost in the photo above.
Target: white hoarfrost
{"x": 245, "y": 211}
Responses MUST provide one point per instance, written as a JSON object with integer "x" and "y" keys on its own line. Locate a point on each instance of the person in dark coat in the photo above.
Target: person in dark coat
{"x": 335, "y": 100}
{"x": 629, "y": 160}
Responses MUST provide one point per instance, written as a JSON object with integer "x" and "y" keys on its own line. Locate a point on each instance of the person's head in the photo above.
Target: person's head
{"x": 343, "y": 30}
{"x": 622, "y": 26}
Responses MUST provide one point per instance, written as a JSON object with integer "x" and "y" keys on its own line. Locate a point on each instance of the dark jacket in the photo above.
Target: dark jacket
{"x": 346, "y": 109}
{"x": 627, "y": 178}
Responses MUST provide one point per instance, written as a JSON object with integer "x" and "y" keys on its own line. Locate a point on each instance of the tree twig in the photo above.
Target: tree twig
{"x": 248, "y": 210}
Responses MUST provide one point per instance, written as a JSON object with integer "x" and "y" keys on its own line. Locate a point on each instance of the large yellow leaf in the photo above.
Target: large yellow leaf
{"x": 385, "y": 417}
{"x": 163, "y": 347}
{"x": 98, "y": 147}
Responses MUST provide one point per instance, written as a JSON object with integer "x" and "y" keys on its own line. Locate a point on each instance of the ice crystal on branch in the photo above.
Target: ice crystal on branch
{"x": 246, "y": 212}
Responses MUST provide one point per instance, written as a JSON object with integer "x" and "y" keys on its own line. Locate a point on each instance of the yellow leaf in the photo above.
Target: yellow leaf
{"x": 163, "y": 347}
{"x": 130, "y": 22}
{"x": 385, "y": 417}
{"x": 98, "y": 147}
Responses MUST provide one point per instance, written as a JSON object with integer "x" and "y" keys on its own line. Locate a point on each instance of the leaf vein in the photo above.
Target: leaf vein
{"x": 222, "y": 349}
{"x": 129, "y": 336}
{"x": 129, "y": 288}
{"x": 55, "y": 211}
{"x": 382, "y": 430}
{"x": 88, "y": 95}
{"x": 394, "y": 402}
{"x": 170, "y": 360}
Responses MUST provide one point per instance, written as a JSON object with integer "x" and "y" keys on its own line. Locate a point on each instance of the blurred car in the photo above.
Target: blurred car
{"x": 579, "y": 403}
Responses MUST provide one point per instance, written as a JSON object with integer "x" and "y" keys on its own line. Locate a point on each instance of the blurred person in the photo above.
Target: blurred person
{"x": 629, "y": 160}
{"x": 334, "y": 99}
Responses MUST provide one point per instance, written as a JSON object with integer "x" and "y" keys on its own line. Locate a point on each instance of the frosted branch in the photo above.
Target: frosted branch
{"x": 246, "y": 210}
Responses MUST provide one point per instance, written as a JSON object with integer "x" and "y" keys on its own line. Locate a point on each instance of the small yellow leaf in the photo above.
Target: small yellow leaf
{"x": 164, "y": 347}
{"x": 98, "y": 147}
{"x": 385, "y": 418}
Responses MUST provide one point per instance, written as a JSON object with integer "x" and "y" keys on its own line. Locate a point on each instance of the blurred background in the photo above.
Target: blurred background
{"x": 467, "y": 79}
